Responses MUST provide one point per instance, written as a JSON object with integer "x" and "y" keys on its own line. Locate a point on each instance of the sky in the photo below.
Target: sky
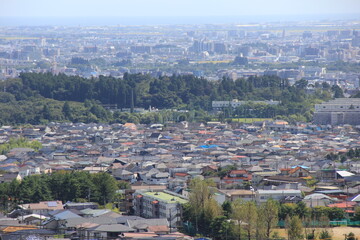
{"x": 175, "y": 8}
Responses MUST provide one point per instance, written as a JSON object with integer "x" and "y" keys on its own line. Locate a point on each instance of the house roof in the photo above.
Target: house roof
{"x": 237, "y": 192}
{"x": 67, "y": 214}
{"x": 73, "y": 222}
{"x": 238, "y": 172}
{"x": 345, "y": 173}
{"x": 159, "y": 228}
{"x": 46, "y": 205}
{"x": 95, "y": 212}
{"x": 140, "y": 235}
{"x": 356, "y": 198}
{"x": 123, "y": 219}
{"x": 113, "y": 228}
{"x": 316, "y": 196}
{"x": 145, "y": 223}
{"x": 343, "y": 204}
{"x": 179, "y": 174}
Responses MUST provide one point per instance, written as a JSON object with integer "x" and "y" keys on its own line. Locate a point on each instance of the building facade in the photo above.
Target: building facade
{"x": 337, "y": 112}
{"x": 159, "y": 205}
{"x": 219, "y": 105}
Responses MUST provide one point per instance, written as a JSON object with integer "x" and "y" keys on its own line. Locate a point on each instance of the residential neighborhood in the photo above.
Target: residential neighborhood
{"x": 159, "y": 163}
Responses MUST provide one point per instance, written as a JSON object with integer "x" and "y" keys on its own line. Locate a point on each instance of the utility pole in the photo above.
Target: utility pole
{"x": 170, "y": 219}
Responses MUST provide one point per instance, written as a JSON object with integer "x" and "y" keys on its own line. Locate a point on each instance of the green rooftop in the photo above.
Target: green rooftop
{"x": 165, "y": 197}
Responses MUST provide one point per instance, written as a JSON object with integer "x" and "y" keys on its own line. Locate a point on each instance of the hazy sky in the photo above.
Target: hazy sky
{"x": 160, "y": 8}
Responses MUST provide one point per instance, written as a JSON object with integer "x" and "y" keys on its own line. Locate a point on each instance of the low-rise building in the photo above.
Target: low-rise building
{"x": 263, "y": 195}
{"x": 159, "y": 205}
{"x": 219, "y": 105}
{"x": 338, "y": 111}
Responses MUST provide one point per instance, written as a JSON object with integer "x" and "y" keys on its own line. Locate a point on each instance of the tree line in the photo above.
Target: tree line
{"x": 66, "y": 186}
{"x": 40, "y": 97}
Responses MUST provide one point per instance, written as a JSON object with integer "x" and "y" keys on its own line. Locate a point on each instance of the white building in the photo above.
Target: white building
{"x": 263, "y": 195}
{"x": 219, "y": 105}
{"x": 338, "y": 111}
{"x": 159, "y": 205}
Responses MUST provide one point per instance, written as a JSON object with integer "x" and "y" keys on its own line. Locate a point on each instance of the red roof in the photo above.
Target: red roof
{"x": 343, "y": 205}
{"x": 294, "y": 169}
{"x": 179, "y": 174}
{"x": 236, "y": 172}
{"x": 248, "y": 178}
{"x": 285, "y": 169}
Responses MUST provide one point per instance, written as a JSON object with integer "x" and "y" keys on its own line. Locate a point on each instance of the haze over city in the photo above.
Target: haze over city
{"x": 137, "y": 12}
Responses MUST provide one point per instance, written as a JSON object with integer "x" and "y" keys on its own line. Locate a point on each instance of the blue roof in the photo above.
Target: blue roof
{"x": 208, "y": 146}
{"x": 66, "y": 215}
{"x": 302, "y": 166}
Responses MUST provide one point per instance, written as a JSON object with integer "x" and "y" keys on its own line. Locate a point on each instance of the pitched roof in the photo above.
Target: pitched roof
{"x": 113, "y": 228}
{"x": 145, "y": 223}
{"x": 159, "y": 228}
{"x": 46, "y": 205}
{"x": 66, "y": 215}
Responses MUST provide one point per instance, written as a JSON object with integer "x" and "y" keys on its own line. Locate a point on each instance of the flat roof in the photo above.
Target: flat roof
{"x": 165, "y": 197}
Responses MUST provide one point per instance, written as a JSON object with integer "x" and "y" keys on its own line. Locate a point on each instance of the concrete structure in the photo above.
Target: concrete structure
{"x": 338, "y": 111}
{"x": 279, "y": 195}
{"x": 159, "y": 205}
{"x": 218, "y": 105}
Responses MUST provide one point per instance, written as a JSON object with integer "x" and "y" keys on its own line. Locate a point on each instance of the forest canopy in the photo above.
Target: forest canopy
{"x": 39, "y": 97}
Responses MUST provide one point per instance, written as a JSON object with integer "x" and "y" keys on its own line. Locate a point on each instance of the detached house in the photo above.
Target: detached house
{"x": 42, "y": 207}
{"x": 154, "y": 176}
{"x": 237, "y": 176}
{"x": 297, "y": 172}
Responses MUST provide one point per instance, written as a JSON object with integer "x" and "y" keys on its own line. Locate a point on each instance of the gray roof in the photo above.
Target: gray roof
{"x": 98, "y": 220}
{"x": 317, "y": 196}
{"x": 144, "y": 223}
{"x": 95, "y": 212}
{"x": 124, "y": 219}
{"x": 66, "y": 215}
{"x": 113, "y": 228}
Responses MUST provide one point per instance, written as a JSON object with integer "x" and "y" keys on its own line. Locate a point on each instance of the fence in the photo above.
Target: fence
{"x": 344, "y": 222}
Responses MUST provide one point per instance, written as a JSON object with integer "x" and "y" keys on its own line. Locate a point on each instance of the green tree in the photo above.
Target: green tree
{"x": 46, "y": 113}
{"x": 294, "y": 228}
{"x": 268, "y": 214}
{"x": 202, "y": 208}
{"x": 221, "y": 228}
{"x": 246, "y": 212}
{"x": 226, "y": 206}
{"x": 338, "y": 92}
{"x": 286, "y": 210}
{"x": 301, "y": 210}
{"x": 66, "y": 110}
{"x": 105, "y": 187}
{"x": 351, "y": 236}
{"x": 325, "y": 234}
